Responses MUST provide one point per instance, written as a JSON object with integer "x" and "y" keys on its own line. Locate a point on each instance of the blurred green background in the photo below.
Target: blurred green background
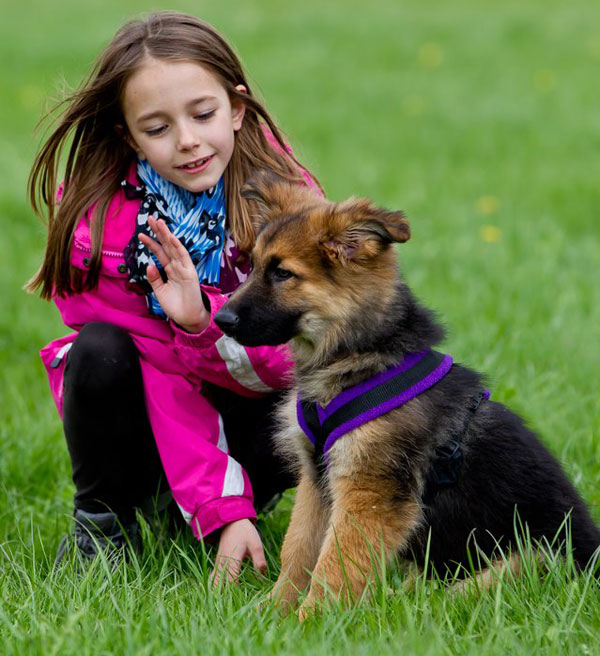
{"x": 479, "y": 119}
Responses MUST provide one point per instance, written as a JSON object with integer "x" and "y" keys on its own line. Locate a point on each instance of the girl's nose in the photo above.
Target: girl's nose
{"x": 187, "y": 138}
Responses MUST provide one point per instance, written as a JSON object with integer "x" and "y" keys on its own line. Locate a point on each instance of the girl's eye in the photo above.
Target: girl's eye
{"x": 153, "y": 132}
{"x": 280, "y": 274}
{"x": 205, "y": 116}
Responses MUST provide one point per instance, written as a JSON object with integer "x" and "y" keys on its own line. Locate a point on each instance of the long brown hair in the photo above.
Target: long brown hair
{"x": 98, "y": 156}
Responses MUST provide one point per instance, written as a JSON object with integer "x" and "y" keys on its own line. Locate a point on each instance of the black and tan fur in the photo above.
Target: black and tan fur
{"x": 325, "y": 279}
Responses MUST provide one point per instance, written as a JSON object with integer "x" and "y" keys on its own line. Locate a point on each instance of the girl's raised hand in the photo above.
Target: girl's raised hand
{"x": 180, "y": 297}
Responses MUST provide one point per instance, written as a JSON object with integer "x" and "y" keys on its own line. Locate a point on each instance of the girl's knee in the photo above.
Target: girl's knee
{"x": 102, "y": 355}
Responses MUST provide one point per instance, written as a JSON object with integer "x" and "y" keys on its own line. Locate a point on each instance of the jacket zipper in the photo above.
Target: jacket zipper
{"x": 107, "y": 253}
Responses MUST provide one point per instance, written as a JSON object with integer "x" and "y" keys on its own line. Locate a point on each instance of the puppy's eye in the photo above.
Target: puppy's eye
{"x": 280, "y": 274}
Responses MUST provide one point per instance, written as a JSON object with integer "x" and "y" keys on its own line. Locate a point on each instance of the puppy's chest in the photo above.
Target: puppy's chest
{"x": 292, "y": 440}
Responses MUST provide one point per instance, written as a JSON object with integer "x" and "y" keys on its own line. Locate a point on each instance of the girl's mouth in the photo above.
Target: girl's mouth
{"x": 195, "y": 166}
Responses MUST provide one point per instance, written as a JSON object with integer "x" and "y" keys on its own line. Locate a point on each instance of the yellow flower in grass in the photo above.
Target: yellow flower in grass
{"x": 413, "y": 105}
{"x": 430, "y": 55}
{"x": 487, "y": 204}
{"x": 593, "y": 47}
{"x": 490, "y": 234}
{"x": 544, "y": 80}
{"x": 30, "y": 97}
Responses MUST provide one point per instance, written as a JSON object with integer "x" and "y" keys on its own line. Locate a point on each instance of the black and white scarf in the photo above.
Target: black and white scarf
{"x": 197, "y": 220}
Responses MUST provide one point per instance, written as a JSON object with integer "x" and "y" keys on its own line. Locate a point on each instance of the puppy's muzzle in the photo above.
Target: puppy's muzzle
{"x": 256, "y": 326}
{"x": 227, "y": 320}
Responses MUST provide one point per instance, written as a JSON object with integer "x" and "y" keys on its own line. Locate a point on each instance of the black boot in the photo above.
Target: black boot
{"x": 100, "y": 532}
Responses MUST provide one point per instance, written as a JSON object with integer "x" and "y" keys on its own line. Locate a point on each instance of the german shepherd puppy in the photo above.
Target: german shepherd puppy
{"x": 325, "y": 280}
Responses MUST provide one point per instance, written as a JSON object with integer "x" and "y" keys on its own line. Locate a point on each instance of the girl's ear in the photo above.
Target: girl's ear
{"x": 238, "y": 108}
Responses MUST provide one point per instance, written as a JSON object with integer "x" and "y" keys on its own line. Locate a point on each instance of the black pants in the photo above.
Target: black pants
{"x": 115, "y": 461}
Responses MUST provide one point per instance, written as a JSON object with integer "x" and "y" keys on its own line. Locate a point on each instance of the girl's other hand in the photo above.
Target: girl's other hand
{"x": 180, "y": 297}
{"x": 239, "y": 540}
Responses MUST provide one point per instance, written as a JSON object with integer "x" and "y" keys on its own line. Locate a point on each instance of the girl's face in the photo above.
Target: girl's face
{"x": 179, "y": 117}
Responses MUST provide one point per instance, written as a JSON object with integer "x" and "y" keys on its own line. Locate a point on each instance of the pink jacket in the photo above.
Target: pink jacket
{"x": 209, "y": 486}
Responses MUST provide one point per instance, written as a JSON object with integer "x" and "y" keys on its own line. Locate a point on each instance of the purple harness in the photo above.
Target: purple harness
{"x": 375, "y": 397}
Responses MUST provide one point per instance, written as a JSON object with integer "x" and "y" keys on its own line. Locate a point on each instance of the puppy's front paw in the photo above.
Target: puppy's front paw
{"x": 304, "y": 612}
{"x": 311, "y": 605}
{"x": 284, "y": 595}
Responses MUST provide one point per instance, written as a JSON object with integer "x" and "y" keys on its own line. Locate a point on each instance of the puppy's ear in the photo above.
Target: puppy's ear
{"x": 361, "y": 231}
{"x": 261, "y": 189}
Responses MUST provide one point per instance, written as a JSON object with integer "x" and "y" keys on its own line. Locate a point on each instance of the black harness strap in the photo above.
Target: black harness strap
{"x": 382, "y": 393}
{"x": 369, "y": 400}
{"x": 311, "y": 417}
{"x": 447, "y": 460}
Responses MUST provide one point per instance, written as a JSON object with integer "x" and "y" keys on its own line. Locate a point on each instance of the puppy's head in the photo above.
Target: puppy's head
{"x": 317, "y": 266}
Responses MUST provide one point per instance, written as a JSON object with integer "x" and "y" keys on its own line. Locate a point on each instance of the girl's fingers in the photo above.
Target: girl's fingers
{"x": 164, "y": 235}
{"x": 233, "y": 567}
{"x": 155, "y": 248}
{"x": 179, "y": 250}
{"x": 154, "y": 277}
{"x": 168, "y": 248}
{"x": 226, "y": 569}
{"x": 257, "y": 554}
{"x": 159, "y": 228}
{"x": 172, "y": 247}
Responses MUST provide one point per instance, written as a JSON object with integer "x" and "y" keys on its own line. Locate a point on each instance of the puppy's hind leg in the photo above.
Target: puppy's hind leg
{"x": 486, "y": 578}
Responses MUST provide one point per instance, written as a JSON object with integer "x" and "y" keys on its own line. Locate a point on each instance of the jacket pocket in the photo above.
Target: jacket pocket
{"x": 112, "y": 262}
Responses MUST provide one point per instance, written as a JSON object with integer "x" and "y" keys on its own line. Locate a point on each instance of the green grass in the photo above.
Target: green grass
{"x": 480, "y": 119}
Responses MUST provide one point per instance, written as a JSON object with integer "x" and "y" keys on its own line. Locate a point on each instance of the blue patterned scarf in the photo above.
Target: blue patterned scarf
{"x": 197, "y": 220}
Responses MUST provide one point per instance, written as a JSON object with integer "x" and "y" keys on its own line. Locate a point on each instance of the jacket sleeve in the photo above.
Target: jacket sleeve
{"x": 209, "y": 486}
{"x": 216, "y": 358}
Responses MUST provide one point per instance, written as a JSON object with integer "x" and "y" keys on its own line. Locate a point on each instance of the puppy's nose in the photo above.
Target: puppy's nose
{"x": 227, "y": 320}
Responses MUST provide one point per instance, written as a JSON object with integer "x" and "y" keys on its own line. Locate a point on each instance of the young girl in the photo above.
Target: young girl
{"x": 165, "y": 127}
